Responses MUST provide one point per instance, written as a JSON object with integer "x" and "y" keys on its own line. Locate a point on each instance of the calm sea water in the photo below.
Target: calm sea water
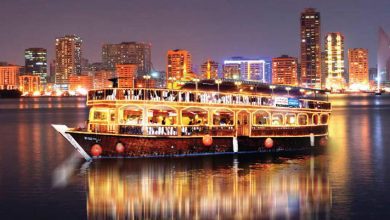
{"x": 42, "y": 177}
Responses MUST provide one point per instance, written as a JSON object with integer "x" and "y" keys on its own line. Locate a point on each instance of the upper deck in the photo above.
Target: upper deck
{"x": 209, "y": 93}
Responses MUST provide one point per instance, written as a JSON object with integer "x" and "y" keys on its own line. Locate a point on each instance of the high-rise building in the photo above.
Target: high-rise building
{"x": 128, "y": 53}
{"x": 358, "y": 67}
{"x": 127, "y": 74}
{"x": 36, "y": 63}
{"x": 383, "y": 54}
{"x": 244, "y": 69}
{"x": 334, "y": 61}
{"x": 179, "y": 64}
{"x": 68, "y": 59}
{"x": 284, "y": 70}
{"x": 210, "y": 69}
{"x": 101, "y": 79}
{"x": 310, "y": 48}
{"x": 52, "y": 71}
{"x": 80, "y": 82}
{"x": 9, "y": 76}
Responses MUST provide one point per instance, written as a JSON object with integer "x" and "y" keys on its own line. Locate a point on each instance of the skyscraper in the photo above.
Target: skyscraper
{"x": 244, "y": 69}
{"x": 210, "y": 69}
{"x": 128, "y": 53}
{"x": 358, "y": 67}
{"x": 179, "y": 64}
{"x": 310, "y": 48}
{"x": 383, "y": 56}
{"x": 284, "y": 70}
{"x": 68, "y": 59}
{"x": 36, "y": 63}
{"x": 334, "y": 61}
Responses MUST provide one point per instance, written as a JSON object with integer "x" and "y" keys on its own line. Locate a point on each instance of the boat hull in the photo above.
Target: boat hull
{"x": 114, "y": 146}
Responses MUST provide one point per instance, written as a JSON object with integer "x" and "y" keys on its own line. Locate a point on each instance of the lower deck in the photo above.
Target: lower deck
{"x": 108, "y": 145}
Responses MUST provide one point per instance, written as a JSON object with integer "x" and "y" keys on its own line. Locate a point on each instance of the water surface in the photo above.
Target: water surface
{"x": 42, "y": 177}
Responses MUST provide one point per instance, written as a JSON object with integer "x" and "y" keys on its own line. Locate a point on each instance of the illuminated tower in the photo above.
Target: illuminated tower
{"x": 358, "y": 68}
{"x": 284, "y": 70}
{"x": 334, "y": 61}
{"x": 36, "y": 63}
{"x": 179, "y": 64}
{"x": 128, "y": 52}
{"x": 210, "y": 69}
{"x": 310, "y": 48}
{"x": 68, "y": 59}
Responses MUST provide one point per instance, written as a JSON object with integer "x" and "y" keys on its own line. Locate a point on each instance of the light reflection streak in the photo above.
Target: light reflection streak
{"x": 178, "y": 189}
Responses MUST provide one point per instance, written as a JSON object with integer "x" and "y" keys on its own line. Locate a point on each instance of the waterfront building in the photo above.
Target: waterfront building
{"x": 231, "y": 70}
{"x": 126, "y": 75}
{"x": 383, "y": 56}
{"x": 334, "y": 61}
{"x": 36, "y": 63}
{"x": 267, "y": 69}
{"x": 210, "y": 69}
{"x": 128, "y": 53}
{"x": 310, "y": 48}
{"x": 101, "y": 79}
{"x": 145, "y": 82}
{"x": 284, "y": 70}
{"x": 68, "y": 59}
{"x": 358, "y": 68}
{"x": 179, "y": 67}
{"x": 29, "y": 84}
{"x": 80, "y": 82}
{"x": 9, "y": 76}
{"x": 52, "y": 72}
{"x": 244, "y": 69}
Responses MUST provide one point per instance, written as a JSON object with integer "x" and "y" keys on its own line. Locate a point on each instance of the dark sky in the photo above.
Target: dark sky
{"x": 215, "y": 29}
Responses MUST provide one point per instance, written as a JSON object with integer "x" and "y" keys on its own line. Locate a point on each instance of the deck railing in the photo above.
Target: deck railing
{"x": 185, "y": 96}
{"x": 201, "y": 130}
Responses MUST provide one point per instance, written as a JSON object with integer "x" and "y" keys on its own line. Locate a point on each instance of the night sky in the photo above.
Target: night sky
{"x": 215, "y": 29}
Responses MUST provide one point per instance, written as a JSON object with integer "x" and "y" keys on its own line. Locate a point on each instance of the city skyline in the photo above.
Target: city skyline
{"x": 210, "y": 35}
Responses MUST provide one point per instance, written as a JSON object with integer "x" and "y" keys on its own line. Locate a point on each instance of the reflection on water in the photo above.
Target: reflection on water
{"x": 43, "y": 103}
{"x": 244, "y": 187}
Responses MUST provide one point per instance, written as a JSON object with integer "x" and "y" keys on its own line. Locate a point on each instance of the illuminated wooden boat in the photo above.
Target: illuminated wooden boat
{"x": 207, "y": 117}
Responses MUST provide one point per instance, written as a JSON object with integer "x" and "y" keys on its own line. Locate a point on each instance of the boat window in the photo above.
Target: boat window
{"x": 302, "y": 119}
{"x": 324, "y": 119}
{"x": 162, "y": 116}
{"x": 277, "y": 119}
{"x": 261, "y": 118}
{"x": 315, "y": 119}
{"x": 290, "y": 119}
{"x": 100, "y": 115}
{"x": 223, "y": 117}
{"x": 132, "y": 115}
{"x": 194, "y": 116}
